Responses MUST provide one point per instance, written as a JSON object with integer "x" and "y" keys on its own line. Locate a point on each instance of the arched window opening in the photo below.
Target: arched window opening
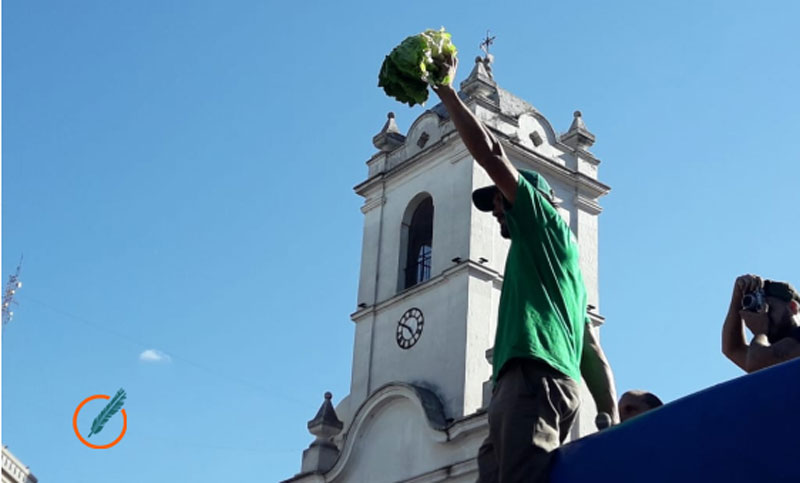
{"x": 420, "y": 244}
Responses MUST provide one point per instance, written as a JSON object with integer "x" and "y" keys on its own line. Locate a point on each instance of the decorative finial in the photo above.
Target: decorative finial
{"x": 389, "y": 138}
{"x": 326, "y": 417}
{"x": 578, "y": 136}
{"x": 322, "y": 454}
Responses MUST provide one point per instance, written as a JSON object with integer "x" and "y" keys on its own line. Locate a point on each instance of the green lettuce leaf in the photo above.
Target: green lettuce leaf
{"x": 416, "y": 63}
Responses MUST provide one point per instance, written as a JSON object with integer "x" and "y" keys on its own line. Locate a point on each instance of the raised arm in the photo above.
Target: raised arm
{"x": 481, "y": 143}
{"x": 597, "y": 373}
{"x": 734, "y": 344}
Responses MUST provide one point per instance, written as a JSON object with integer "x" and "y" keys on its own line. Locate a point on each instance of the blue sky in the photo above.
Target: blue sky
{"x": 179, "y": 178}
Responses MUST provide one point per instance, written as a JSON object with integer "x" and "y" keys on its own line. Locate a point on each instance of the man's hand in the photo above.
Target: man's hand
{"x": 746, "y": 284}
{"x": 451, "y": 64}
{"x": 757, "y": 322}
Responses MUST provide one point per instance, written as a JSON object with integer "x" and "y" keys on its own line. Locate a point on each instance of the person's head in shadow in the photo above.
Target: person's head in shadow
{"x": 636, "y": 402}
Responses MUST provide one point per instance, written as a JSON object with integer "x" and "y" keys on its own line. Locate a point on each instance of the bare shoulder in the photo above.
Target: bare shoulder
{"x": 786, "y": 349}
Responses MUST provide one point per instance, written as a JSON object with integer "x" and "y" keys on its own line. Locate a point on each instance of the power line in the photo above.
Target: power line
{"x": 140, "y": 343}
{"x": 193, "y": 444}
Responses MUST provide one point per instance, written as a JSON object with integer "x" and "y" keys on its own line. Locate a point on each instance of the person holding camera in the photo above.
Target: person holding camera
{"x": 770, "y": 310}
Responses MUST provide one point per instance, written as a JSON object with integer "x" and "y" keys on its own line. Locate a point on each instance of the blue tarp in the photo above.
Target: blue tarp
{"x": 743, "y": 430}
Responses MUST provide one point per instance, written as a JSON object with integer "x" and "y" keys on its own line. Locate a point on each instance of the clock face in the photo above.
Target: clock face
{"x": 409, "y": 328}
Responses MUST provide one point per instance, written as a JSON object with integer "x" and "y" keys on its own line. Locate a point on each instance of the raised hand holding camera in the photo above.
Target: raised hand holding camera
{"x": 747, "y": 284}
{"x": 749, "y": 290}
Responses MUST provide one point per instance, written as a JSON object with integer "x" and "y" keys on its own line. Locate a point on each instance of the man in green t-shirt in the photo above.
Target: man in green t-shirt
{"x": 542, "y": 346}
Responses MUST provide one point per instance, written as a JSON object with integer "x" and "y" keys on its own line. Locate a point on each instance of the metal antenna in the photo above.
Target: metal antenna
{"x": 8, "y": 294}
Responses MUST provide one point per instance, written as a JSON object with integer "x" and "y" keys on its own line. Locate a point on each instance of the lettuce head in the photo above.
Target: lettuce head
{"x": 416, "y": 63}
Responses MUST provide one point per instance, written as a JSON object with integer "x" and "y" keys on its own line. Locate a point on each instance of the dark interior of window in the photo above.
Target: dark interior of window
{"x": 420, "y": 238}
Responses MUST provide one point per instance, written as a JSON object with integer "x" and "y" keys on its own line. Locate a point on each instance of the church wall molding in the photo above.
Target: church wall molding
{"x": 425, "y": 400}
{"x": 439, "y": 431}
{"x": 451, "y": 471}
{"x": 587, "y": 186}
{"x": 394, "y": 172}
{"x": 587, "y": 205}
{"x": 369, "y": 205}
{"x": 472, "y": 267}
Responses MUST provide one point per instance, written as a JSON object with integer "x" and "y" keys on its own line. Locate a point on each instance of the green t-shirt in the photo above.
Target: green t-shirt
{"x": 543, "y": 302}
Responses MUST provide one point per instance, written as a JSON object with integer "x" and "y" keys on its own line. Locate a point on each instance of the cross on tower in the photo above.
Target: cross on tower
{"x": 487, "y": 42}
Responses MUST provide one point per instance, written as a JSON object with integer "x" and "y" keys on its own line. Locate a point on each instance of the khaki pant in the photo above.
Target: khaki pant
{"x": 531, "y": 411}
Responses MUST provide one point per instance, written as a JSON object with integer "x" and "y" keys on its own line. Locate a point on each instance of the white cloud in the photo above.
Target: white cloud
{"x": 154, "y": 355}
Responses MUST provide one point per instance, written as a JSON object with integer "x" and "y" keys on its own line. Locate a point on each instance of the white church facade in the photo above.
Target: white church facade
{"x": 431, "y": 273}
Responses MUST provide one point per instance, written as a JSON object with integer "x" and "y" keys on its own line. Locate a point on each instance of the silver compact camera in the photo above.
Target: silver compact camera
{"x": 753, "y": 301}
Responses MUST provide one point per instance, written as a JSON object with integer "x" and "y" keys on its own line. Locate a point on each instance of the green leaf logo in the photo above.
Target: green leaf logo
{"x": 111, "y": 409}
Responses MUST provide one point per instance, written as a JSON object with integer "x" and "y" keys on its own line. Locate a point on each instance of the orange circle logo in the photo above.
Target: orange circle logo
{"x": 98, "y": 446}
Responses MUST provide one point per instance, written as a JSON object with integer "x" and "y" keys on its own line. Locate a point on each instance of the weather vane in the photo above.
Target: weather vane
{"x": 486, "y": 43}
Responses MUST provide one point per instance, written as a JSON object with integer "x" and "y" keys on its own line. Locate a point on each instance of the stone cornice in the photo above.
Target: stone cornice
{"x": 375, "y": 157}
{"x": 364, "y": 187}
{"x": 593, "y": 187}
{"x": 584, "y": 154}
{"x": 596, "y": 319}
{"x": 587, "y": 186}
{"x": 472, "y": 267}
{"x": 372, "y": 204}
{"x": 589, "y": 205}
{"x": 448, "y": 472}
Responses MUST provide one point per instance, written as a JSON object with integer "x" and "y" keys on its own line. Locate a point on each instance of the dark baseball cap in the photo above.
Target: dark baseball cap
{"x": 483, "y": 198}
{"x": 781, "y": 290}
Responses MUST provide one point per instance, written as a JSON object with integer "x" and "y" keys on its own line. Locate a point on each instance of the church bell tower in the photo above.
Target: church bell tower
{"x": 429, "y": 287}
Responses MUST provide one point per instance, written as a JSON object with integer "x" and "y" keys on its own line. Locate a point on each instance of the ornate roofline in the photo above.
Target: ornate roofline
{"x": 426, "y": 401}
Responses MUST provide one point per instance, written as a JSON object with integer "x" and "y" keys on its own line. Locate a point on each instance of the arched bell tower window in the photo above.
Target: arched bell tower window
{"x": 416, "y": 242}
